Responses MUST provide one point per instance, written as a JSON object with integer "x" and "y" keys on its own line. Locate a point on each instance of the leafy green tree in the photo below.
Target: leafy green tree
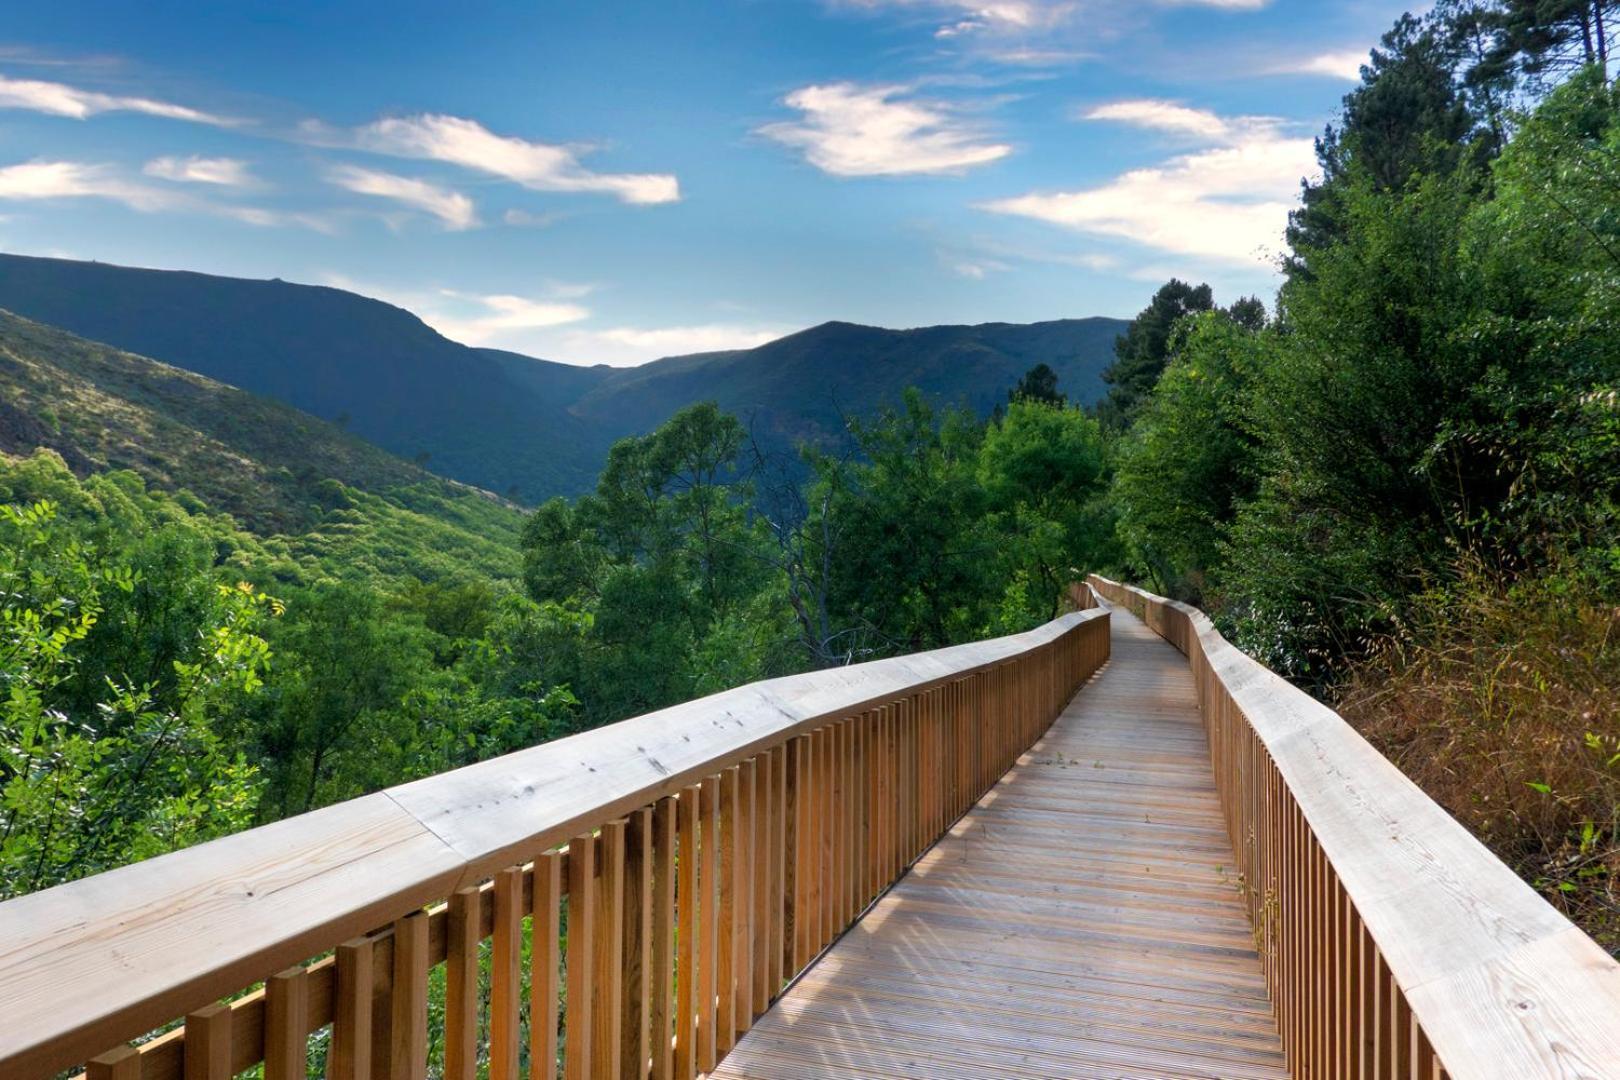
{"x": 328, "y": 729}
{"x": 1045, "y": 469}
{"x": 1189, "y": 462}
{"x": 141, "y": 768}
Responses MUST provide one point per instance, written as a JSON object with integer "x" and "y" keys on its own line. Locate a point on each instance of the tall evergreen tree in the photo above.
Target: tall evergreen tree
{"x": 1141, "y": 352}
{"x": 1407, "y": 117}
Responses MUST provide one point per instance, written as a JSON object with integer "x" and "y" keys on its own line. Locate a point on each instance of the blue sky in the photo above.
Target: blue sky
{"x": 601, "y": 181}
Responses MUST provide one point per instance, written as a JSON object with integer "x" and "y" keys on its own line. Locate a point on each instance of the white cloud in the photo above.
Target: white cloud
{"x": 226, "y": 172}
{"x": 1345, "y": 64}
{"x": 39, "y": 180}
{"x": 1162, "y": 116}
{"x": 622, "y": 346}
{"x": 454, "y": 209}
{"x": 530, "y": 220}
{"x": 493, "y": 319}
{"x": 851, "y": 130}
{"x": 75, "y": 180}
{"x": 538, "y": 166}
{"x": 276, "y": 219}
{"x": 1228, "y": 202}
{"x": 59, "y": 99}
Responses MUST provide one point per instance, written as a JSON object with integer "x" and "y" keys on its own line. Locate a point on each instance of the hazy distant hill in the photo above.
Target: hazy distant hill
{"x": 267, "y": 464}
{"x": 515, "y": 424}
{"x": 800, "y": 386}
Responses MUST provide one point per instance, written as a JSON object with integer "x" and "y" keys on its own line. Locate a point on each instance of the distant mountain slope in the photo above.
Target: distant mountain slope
{"x": 331, "y": 353}
{"x": 800, "y": 386}
{"x": 265, "y": 463}
{"x": 511, "y": 423}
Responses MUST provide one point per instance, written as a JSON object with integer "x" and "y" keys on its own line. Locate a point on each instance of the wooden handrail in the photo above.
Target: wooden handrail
{"x": 1395, "y": 944}
{"x": 713, "y": 848}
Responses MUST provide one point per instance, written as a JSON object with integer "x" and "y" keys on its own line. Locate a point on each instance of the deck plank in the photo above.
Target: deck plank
{"x": 1082, "y": 920}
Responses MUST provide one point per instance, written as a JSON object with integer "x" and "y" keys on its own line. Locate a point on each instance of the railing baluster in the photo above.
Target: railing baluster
{"x": 208, "y": 1043}
{"x": 661, "y": 971}
{"x": 725, "y": 1018}
{"x": 635, "y": 1008}
{"x": 760, "y": 770}
{"x": 465, "y": 930}
{"x": 286, "y": 1025}
{"x": 607, "y": 955}
{"x": 409, "y": 1037}
{"x": 577, "y": 957}
{"x": 545, "y": 951}
{"x": 350, "y": 1055}
{"x": 686, "y": 1008}
{"x": 708, "y": 937}
{"x": 505, "y": 975}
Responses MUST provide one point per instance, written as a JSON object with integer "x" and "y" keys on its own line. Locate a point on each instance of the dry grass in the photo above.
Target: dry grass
{"x": 1503, "y": 703}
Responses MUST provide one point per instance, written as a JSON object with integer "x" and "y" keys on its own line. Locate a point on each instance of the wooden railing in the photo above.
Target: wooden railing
{"x": 712, "y": 850}
{"x": 1394, "y": 943}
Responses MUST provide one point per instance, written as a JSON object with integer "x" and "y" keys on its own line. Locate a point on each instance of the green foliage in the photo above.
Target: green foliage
{"x": 101, "y": 764}
{"x": 1140, "y": 353}
{"x": 1189, "y": 460}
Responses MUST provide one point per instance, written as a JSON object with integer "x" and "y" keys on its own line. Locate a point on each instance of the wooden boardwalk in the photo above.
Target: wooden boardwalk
{"x": 1082, "y": 920}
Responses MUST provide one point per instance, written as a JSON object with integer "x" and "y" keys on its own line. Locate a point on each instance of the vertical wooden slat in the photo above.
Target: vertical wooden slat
{"x": 581, "y": 941}
{"x": 408, "y": 1040}
{"x": 708, "y": 920}
{"x": 208, "y": 1043}
{"x": 725, "y": 977}
{"x": 349, "y": 1057}
{"x": 506, "y": 975}
{"x": 607, "y": 982}
{"x": 286, "y": 1025}
{"x": 799, "y": 866}
{"x": 545, "y": 949}
{"x": 464, "y": 930}
{"x": 119, "y": 1063}
{"x": 686, "y": 899}
{"x": 780, "y": 870}
{"x": 634, "y": 1013}
{"x": 743, "y": 885}
{"x": 662, "y": 969}
{"x": 764, "y": 815}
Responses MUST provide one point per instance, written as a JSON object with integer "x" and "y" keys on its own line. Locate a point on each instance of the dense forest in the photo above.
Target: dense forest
{"x": 1396, "y": 483}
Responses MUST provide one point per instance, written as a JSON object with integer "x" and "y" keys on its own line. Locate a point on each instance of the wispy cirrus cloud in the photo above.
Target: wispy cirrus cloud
{"x": 852, "y": 130}
{"x": 1228, "y": 201}
{"x": 480, "y": 319}
{"x": 466, "y": 143}
{"x": 60, "y": 99}
{"x": 454, "y": 210}
{"x": 39, "y": 180}
{"x": 1340, "y": 64}
{"x": 219, "y": 171}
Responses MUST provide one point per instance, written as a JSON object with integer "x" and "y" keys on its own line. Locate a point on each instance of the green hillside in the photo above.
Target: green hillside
{"x": 320, "y": 492}
{"x": 335, "y": 355}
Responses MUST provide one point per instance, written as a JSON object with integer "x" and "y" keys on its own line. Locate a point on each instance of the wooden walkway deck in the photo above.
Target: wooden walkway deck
{"x": 1081, "y": 921}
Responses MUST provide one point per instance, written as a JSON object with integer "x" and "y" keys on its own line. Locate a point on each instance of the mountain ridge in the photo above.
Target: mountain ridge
{"x": 524, "y": 426}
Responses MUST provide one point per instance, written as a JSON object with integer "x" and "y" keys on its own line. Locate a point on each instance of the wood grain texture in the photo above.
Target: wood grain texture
{"x": 1082, "y": 920}
{"x": 461, "y": 985}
